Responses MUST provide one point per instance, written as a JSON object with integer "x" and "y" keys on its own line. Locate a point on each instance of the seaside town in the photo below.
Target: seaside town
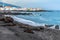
{"x": 14, "y": 8}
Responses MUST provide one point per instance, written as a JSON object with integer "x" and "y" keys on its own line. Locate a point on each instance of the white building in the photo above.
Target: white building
{"x": 23, "y": 9}
{"x": 1, "y": 8}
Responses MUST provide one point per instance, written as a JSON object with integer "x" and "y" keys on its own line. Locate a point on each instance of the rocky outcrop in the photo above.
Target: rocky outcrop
{"x": 48, "y": 25}
{"x": 8, "y": 20}
{"x": 57, "y": 27}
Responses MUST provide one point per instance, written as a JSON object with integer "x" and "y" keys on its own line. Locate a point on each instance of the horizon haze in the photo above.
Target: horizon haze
{"x": 44, "y": 4}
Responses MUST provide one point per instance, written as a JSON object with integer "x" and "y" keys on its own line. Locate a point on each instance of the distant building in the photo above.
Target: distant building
{"x": 7, "y": 7}
{"x": 1, "y": 8}
{"x": 13, "y": 8}
{"x": 23, "y": 9}
{"x": 38, "y": 8}
{"x": 34, "y": 9}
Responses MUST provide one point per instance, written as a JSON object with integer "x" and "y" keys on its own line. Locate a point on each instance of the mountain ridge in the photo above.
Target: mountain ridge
{"x": 7, "y": 4}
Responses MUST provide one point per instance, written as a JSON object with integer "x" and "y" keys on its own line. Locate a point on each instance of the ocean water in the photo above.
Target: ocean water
{"x": 43, "y": 17}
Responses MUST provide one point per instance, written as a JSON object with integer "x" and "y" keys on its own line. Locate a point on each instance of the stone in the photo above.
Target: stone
{"x": 57, "y": 27}
{"x": 29, "y": 31}
{"x": 1, "y": 19}
{"x": 17, "y": 34}
{"x": 11, "y": 24}
{"x": 49, "y": 25}
{"x": 8, "y": 19}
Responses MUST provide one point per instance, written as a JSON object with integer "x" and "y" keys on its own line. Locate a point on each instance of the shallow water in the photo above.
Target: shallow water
{"x": 43, "y": 17}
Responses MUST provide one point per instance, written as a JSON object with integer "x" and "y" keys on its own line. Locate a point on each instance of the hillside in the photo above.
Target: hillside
{"x": 7, "y": 4}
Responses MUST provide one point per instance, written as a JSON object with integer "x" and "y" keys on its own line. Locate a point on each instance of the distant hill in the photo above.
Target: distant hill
{"x": 7, "y": 4}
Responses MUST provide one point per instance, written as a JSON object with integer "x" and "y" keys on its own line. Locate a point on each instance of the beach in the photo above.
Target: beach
{"x": 20, "y": 31}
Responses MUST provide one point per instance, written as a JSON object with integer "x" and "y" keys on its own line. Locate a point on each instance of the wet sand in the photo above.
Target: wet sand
{"x": 19, "y": 32}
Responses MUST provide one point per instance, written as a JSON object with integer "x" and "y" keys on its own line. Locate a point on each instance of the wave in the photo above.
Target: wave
{"x": 28, "y": 22}
{"x": 24, "y": 21}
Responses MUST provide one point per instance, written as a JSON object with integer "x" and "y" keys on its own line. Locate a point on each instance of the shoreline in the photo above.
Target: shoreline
{"x": 24, "y": 21}
{"x": 26, "y": 32}
{"x": 31, "y": 23}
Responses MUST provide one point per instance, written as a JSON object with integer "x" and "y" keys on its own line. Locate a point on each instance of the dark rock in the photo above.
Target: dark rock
{"x": 38, "y": 28}
{"x": 1, "y": 19}
{"x": 9, "y": 24}
{"x": 49, "y": 25}
{"x": 35, "y": 28}
{"x": 8, "y": 19}
{"x": 28, "y": 31}
{"x": 57, "y": 27}
{"x": 41, "y": 28}
{"x": 17, "y": 34}
{"x": 11, "y": 29}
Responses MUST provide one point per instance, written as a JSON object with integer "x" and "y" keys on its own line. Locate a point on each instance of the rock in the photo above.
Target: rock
{"x": 35, "y": 28}
{"x": 11, "y": 24}
{"x": 41, "y": 28}
{"x": 49, "y": 25}
{"x": 1, "y": 19}
{"x": 57, "y": 27}
{"x": 28, "y": 31}
{"x": 8, "y": 19}
{"x": 17, "y": 34}
{"x": 11, "y": 29}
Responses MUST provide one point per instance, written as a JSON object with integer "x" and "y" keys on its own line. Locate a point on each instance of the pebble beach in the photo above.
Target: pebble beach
{"x": 18, "y": 31}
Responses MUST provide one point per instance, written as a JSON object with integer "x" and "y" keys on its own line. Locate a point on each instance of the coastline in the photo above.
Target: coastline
{"x": 24, "y": 21}
{"x": 31, "y": 23}
{"x": 26, "y": 32}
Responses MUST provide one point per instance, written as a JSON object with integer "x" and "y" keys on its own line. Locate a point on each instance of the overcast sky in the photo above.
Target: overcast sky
{"x": 44, "y": 4}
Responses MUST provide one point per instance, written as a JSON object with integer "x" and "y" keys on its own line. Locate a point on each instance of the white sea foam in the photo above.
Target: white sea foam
{"x": 24, "y": 21}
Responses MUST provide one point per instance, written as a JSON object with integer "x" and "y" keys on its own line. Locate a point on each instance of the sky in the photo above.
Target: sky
{"x": 44, "y": 4}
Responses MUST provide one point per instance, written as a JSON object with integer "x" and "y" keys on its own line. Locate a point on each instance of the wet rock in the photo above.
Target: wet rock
{"x": 9, "y": 24}
{"x": 17, "y": 34}
{"x": 11, "y": 29}
{"x": 23, "y": 26}
{"x": 41, "y": 28}
{"x": 8, "y": 19}
{"x": 1, "y": 19}
{"x": 35, "y": 28}
{"x": 49, "y": 25}
{"x": 57, "y": 27}
{"x": 29, "y": 31}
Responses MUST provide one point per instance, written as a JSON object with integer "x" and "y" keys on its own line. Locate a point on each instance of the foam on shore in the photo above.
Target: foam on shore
{"x": 24, "y": 21}
{"x": 28, "y": 22}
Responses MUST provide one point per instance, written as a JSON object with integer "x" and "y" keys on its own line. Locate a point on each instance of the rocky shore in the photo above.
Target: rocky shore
{"x": 12, "y": 30}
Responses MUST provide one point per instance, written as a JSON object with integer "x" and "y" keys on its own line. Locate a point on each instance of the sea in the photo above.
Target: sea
{"x": 51, "y": 18}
